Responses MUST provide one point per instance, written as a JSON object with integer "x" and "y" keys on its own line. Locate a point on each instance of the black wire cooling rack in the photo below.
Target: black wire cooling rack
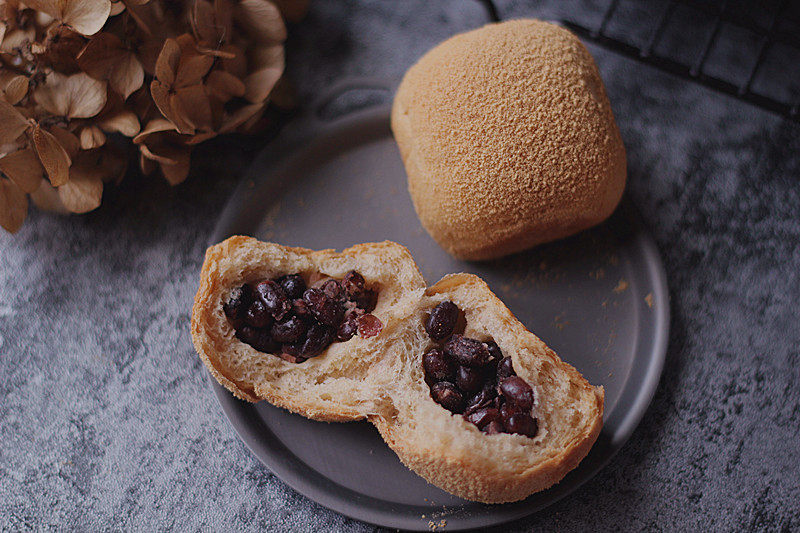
{"x": 749, "y": 49}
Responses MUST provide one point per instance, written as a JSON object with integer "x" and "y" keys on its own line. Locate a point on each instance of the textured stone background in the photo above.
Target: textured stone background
{"x": 107, "y": 421}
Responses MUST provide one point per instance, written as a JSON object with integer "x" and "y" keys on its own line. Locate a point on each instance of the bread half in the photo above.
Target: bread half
{"x": 381, "y": 378}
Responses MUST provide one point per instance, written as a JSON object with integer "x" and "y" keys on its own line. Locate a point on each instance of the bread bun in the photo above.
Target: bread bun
{"x": 381, "y": 378}
{"x": 508, "y": 139}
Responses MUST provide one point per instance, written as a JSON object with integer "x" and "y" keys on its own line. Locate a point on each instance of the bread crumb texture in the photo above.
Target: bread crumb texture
{"x": 508, "y": 139}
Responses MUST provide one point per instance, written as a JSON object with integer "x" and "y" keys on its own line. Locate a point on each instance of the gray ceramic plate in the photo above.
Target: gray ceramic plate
{"x": 599, "y": 299}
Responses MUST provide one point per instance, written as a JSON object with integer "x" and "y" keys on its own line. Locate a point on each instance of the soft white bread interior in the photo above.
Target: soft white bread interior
{"x": 381, "y": 378}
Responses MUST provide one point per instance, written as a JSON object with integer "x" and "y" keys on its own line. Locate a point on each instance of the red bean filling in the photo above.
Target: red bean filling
{"x": 282, "y": 316}
{"x": 474, "y": 379}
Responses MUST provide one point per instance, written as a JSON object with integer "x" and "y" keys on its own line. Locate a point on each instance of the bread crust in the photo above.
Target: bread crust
{"x": 508, "y": 139}
{"x": 381, "y": 379}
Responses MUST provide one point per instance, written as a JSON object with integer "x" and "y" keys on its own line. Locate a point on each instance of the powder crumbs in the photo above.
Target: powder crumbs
{"x": 649, "y": 300}
{"x": 622, "y": 286}
{"x": 433, "y": 526}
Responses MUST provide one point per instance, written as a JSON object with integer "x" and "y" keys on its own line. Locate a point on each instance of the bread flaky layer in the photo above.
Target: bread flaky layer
{"x": 381, "y": 378}
{"x": 508, "y": 139}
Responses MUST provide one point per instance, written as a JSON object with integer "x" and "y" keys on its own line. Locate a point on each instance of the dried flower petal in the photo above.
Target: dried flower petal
{"x": 191, "y": 71}
{"x": 106, "y": 58}
{"x": 67, "y": 139}
{"x": 192, "y": 105}
{"x": 124, "y": 122}
{"x": 269, "y": 68}
{"x": 46, "y": 198}
{"x": 86, "y": 16}
{"x": 82, "y": 193}
{"x": 224, "y": 85}
{"x": 76, "y": 96}
{"x": 23, "y": 168}
{"x": 13, "y": 206}
{"x": 54, "y": 158}
{"x": 12, "y": 123}
{"x": 167, "y": 62}
{"x": 59, "y": 50}
{"x": 292, "y": 10}
{"x": 16, "y": 89}
{"x": 262, "y": 21}
{"x": 92, "y": 137}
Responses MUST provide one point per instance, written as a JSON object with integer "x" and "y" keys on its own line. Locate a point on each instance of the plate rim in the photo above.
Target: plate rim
{"x": 294, "y": 472}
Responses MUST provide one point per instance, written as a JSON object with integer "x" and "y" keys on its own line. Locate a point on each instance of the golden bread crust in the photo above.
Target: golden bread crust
{"x": 508, "y": 139}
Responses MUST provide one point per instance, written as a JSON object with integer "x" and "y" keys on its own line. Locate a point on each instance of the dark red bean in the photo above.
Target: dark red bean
{"x": 300, "y": 307}
{"x": 348, "y": 328}
{"x": 483, "y": 399}
{"x": 493, "y": 428}
{"x": 517, "y": 392}
{"x": 353, "y": 283}
{"x": 505, "y": 369}
{"x": 468, "y": 352}
{"x": 367, "y": 300}
{"x": 494, "y": 350}
{"x": 469, "y": 379}
{"x": 328, "y": 311}
{"x": 318, "y": 338}
{"x": 293, "y": 286}
{"x": 289, "y": 330}
{"x": 275, "y": 300}
{"x": 448, "y": 396}
{"x": 333, "y": 289}
{"x": 257, "y": 315}
{"x": 258, "y": 339}
{"x": 522, "y": 424}
{"x": 484, "y": 416}
{"x": 369, "y": 326}
{"x": 436, "y": 365}
{"x": 238, "y": 302}
{"x": 442, "y": 321}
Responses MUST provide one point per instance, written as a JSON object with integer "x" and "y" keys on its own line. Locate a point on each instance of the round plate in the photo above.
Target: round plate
{"x": 599, "y": 299}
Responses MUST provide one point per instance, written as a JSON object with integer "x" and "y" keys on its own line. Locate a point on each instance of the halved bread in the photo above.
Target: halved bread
{"x": 381, "y": 378}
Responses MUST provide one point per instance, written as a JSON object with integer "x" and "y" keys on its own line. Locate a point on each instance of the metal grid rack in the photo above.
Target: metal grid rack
{"x": 767, "y": 35}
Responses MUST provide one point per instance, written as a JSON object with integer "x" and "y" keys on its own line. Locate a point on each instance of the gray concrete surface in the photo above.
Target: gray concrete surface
{"x": 107, "y": 421}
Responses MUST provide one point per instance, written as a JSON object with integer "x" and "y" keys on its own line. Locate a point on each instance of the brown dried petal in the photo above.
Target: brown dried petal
{"x": 16, "y": 89}
{"x": 83, "y": 192}
{"x": 292, "y": 10}
{"x": 76, "y": 96}
{"x": 124, "y": 122}
{"x": 173, "y": 160}
{"x": 68, "y": 140}
{"x": 23, "y": 168}
{"x": 268, "y": 62}
{"x": 46, "y": 198}
{"x": 160, "y": 94}
{"x": 117, "y": 7}
{"x": 241, "y": 116}
{"x": 13, "y": 206}
{"x": 154, "y": 126}
{"x": 262, "y": 21}
{"x": 86, "y": 16}
{"x": 167, "y": 62}
{"x": 12, "y": 123}
{"x": 224, "y": 85}
{"x": 192, "y": 70}
{"x": 259, "y": 84}
{"x": 105, "y": 57}
{"x": 192, "y": 104}
{"x": 52, "y": 155}
{"x": 237, "y": 63}
{"x": 92, "y": 137}
{"x": 204, "y": 22}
